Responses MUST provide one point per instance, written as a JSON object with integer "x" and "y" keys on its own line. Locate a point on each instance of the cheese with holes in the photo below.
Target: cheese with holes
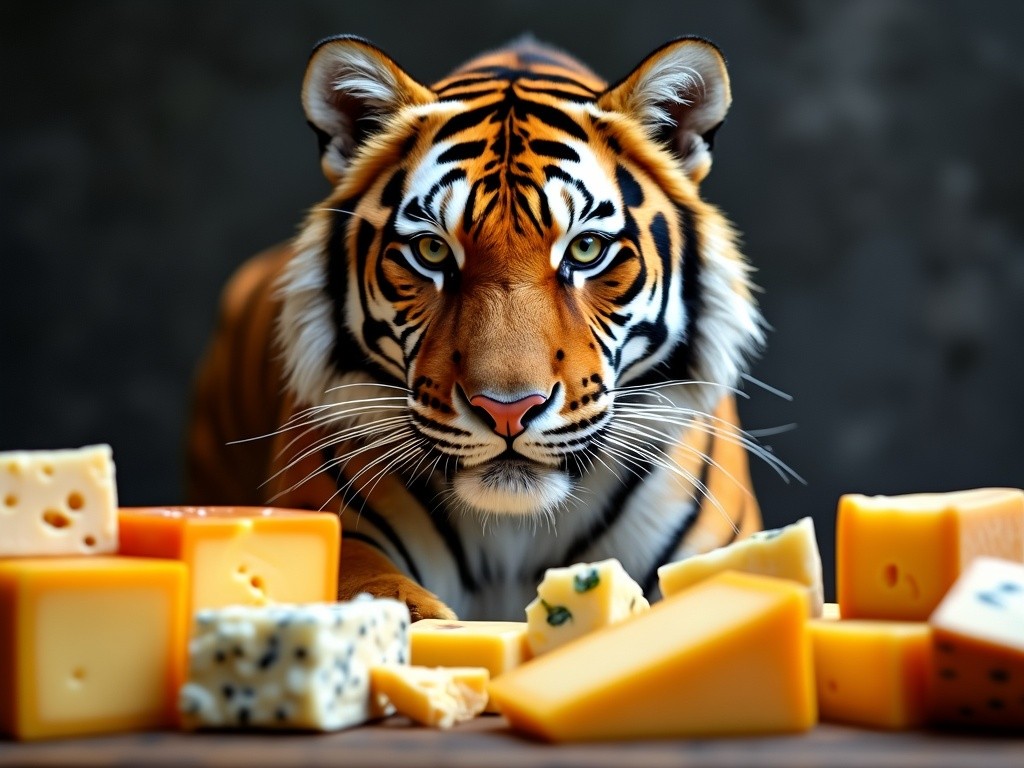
{"x": 497, "y": 646}
{"x": 977, "y": 676}
{"x": 578, "y": 599}
{"x": 58, "y": 502}
{"x": 789, "y": 553}
{"x": 872, "y": 673}
{"x": 896, "y": 556}
{"x": 291, "y": 666}
{"x": 241, "y": 555}
{"x": 90, "y": 645}
{"x": 436, "y": 696}
{"x": 730, "y": 656}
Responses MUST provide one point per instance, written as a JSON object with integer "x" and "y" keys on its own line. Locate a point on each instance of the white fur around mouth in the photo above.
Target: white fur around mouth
{"x": 510, "y": 487}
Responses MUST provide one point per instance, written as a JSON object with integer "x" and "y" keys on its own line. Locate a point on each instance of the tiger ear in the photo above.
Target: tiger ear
{"x": 350, "y": 90}
{"x": 680, "y": 93}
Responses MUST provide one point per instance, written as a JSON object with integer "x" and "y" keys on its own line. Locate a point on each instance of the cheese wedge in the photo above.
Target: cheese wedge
{"x": 789, "y": 553}
{"x": 578, "y": 599}
{"x": 436, "y": 696}
{"x": 90, "y": 645}
{"x": 730, "y": 656}
{"x": 58, "y": 502}
{"x": 896, "y": 556}
{"x": 977, "y": 675}
{"x": 872, "y": 673}
{"x": 241, "y": 555}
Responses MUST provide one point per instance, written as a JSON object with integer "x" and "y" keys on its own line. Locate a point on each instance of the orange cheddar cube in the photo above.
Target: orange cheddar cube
{"x": 896, "y": 556}
{"x": 90, "y": 645}
{"x": 729, "y": 656}
{"x": 872, "y": 673}
{"x": 241, "y": 555}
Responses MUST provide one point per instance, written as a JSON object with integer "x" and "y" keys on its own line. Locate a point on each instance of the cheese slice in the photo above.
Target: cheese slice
{"x": 872, "y": 673}
{"x": 730, "y": 656}
{"x": 578, "y": 599}
{"x": 789, "y": 553}
{"x": 436, "y": 696}
{"x": 977, "y": 676}
{"x": 58, "y": 502}
{"x": 291, "y": 666}
{"x": 896, "y": 556}
{"x": 241, "y": 555}
{"x": 90, "y": 645}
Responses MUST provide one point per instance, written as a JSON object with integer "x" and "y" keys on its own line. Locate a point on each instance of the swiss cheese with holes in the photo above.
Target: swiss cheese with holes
{"x": 58, "y": 502}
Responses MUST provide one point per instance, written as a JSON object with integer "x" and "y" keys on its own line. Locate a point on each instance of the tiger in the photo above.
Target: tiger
{"x": 510, "y": 338}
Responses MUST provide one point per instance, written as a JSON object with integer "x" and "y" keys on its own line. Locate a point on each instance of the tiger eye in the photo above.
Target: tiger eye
{"x": 432, "y": 250}
{"x": 586, "y": 249}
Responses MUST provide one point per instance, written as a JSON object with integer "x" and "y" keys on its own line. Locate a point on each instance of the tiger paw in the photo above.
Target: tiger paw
{"x": 422, "y": 603}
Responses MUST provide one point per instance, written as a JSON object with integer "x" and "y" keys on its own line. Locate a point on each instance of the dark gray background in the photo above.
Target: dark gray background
{"x": 872, "y": 160}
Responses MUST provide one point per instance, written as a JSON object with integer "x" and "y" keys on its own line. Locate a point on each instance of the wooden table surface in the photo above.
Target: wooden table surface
{"x": 487, "y": 741}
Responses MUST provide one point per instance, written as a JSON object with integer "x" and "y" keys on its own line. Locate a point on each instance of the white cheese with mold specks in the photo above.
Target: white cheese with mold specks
{"x": 291, "y": 666}
{"x": 578, "y": 599}
{"x": 60, "y": 502}
{"x": 790, "y": 552}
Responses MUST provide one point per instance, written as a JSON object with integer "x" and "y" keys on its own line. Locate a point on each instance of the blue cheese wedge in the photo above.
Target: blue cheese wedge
{"x": 790, "y": 552}
{"x": 578, "y": 599}
{"x": 58, "y": 502}
{"x": 291, "y": 666}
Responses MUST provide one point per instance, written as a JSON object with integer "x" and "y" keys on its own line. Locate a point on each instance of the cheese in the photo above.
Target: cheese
{"x": 58, "y": 502}
{"x": 896, "y": 556}
{"x": 578, "y": 599}
{"x": 241, "y": 555}
{"x": 291, "y": 666}
{"x": 436, "y": 696}
{"x": 872, "y": 673}
{"x": 830, "y": 612}
{"x": 729, "y": 656}
{"x": 90, "y": 645}
{"x": 790, "y": 553}
{"x": 977, "y": 676}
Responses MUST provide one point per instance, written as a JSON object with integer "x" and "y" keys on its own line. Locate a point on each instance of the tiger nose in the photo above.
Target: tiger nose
{"x": 507, "y": 418}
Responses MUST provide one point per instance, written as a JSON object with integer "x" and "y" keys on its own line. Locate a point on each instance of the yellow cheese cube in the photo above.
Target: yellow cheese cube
{"x": 436, "y": 696}
{"x": 241, "y": 555}
{"x": 790, "y": 552}
{"x": 578, "y": 599}
{"x": 497, "y": 646}
{"x": 729, "y": 656}
{"x": 978, "y": 661}
{"x": 896, "y": 556}
{"x": 58, "y": 502}
{"x": 90, "y": 645}
{"x": 871, "y": 673}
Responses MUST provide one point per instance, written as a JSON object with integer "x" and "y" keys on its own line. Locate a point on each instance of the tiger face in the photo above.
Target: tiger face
{"x": 508, "y": 254}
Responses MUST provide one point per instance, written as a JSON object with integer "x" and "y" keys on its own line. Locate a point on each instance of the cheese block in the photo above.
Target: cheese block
{"x": 436, "y": 696}
{"x": 578, "y": 599}
{"x": 830, "y": 612}
{"x": 241, "y": 555}
{"x": 896, "y": 556}
{"x": 790, "y": 553}
{"x": 872, "y": 673}
{"x": 291, "y": 666}
{"x": 58, "y": 502}
{"x": 90, "y": 645}
{"x": 977, "y": 675}
{"x": 729, "y": 656}
{"x": 497, "y": 646}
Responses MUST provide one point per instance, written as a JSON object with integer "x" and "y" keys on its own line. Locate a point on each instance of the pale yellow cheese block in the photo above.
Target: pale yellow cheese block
{"x": 790, "y": 552}
{"x": 872, "y": 673}
{"x": 58, "y": 502}
{"x": 90, "y": 645}
{"x": 730, "y": 656}
{"x": 896, "y": 556}
{"x": 436, "y": 696}
{"x": 578, "y": 599}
